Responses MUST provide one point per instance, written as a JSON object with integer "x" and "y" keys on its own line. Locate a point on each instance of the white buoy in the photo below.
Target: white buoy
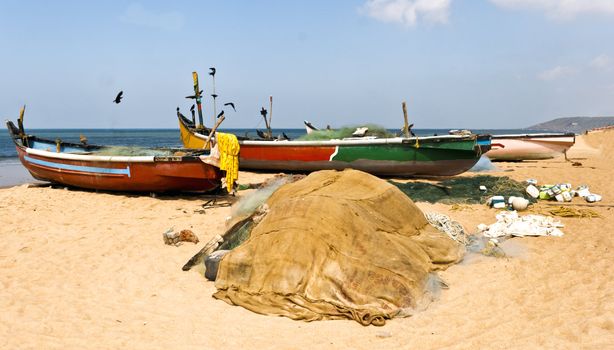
{"x": 519, "y": 203}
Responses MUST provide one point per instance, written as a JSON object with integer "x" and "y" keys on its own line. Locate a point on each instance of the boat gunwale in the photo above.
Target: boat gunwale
{"x": 536, "y": 136}
{"x": 190, "y": 157}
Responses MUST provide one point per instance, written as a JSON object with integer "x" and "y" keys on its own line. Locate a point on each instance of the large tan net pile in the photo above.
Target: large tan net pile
{"x": 336, "y": 245}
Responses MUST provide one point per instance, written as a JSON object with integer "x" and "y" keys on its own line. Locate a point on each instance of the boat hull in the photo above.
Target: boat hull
{"x": 157, "y": 175}
{"x": 80, "y": 165}
{"x": 529, "y": 147}
{"x": 431, "y": 156}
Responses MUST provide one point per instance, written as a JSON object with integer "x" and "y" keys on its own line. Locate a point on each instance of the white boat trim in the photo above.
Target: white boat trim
{"x": 90, "y": 158}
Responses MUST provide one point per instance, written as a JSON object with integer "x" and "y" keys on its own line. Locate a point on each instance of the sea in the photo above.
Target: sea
{"x": 152, "y": 138}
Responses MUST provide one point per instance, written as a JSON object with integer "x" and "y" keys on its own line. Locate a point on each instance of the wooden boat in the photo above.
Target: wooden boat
{"x": 83, "y": 166}
{"x": 398, "y": 156}
{"x": 530, "y": 146}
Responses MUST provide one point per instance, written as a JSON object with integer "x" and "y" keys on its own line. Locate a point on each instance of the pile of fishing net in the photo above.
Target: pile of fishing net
{"x": 131, "y": 151}
{"x": 463, "y": 189}
{"x": 334, "y": 245}
{"x": 345, "y": 132}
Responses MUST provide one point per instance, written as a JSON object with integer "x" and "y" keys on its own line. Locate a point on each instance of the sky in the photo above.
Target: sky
{"x": 458, "y": 63}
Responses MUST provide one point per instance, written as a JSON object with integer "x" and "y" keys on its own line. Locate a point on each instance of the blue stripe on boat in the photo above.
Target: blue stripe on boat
{"x": 86, "y": 169}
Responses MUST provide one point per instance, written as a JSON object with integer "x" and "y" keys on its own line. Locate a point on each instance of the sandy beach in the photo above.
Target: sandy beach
{"x": 87, "y": 270}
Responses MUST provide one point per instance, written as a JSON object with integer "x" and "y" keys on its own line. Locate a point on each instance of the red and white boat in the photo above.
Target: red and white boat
{"x": 530, "y": 146}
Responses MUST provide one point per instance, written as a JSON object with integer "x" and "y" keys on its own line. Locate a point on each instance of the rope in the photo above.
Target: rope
{"x": 572, "y": 212}
{"x": 448, "y": 226}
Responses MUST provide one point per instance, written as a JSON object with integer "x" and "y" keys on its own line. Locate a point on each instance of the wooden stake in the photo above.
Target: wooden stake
{"x": 270, "y": 115}
{"x": 219, "y": 121}
{"x": 198, "y": 99}
{"x": 406, "y": 125}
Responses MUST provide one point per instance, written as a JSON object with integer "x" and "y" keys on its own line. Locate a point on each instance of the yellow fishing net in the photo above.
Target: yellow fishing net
{"x": 336, "y": 245}
{"x": 228, "y": 145}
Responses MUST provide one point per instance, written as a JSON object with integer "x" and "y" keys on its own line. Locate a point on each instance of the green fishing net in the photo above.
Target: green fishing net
{"x": 344, "y": 132}
{"x": 131, "y": 151}
{"x": 463, "y": 189}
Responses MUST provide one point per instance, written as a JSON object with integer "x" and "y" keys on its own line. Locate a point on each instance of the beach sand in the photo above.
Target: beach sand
{"x": 86, "y": 270}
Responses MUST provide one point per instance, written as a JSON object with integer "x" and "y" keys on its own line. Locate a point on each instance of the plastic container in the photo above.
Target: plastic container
{"x": 592, "y": 198}
{"x": 567, "y": 196}
{"x": 533, "y": 191}
{"x": 544, "y": 195}
{"x": 497, "y": 202}
{"x": 583, "y": 191}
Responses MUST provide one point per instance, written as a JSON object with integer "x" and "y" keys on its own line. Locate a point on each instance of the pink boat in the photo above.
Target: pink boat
{"x": 530, "y": 146}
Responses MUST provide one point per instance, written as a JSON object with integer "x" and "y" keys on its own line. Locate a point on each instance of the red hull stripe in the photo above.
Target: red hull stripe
{"x": 290, "y": 153}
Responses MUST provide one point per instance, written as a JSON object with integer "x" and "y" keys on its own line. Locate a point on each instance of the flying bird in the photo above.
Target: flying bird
{"x": 118, "y": 98}
{"x": 221, "y": 114}
{"x": 263, "y": 112}
{"x": 231, "y": 105}
{"x": 212, "y": 71}
{"x": 214, "y": 95}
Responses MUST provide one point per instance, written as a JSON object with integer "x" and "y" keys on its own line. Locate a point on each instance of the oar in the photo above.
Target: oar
{"x": 217, "y": 123}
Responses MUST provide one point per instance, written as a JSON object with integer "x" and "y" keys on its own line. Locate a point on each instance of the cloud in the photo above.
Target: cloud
{"x": 560, "y": 9}
{"x": 408, "y": 12}
{"x": 556, "y": 73}
{"x": 603, "y": 62}
{"x": 138, "y": 15}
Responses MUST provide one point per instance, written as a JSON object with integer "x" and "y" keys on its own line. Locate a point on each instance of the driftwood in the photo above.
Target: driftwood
{"x": 207, "y": 249}
{"x": 215, "y": 243}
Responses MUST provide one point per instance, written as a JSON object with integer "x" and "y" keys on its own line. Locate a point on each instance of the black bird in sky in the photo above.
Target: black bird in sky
{"x": 212, "y": 71}
{"x": 118, "y": 98}
{"x": 221, "y": 114}
{"x": 231, "y": 105}
{"x": 263, "y": 112}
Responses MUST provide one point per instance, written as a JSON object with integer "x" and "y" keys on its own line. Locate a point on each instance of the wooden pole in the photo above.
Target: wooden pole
{"x": 270, "y": 115}
{"x": 219, "y": 121}
{"x": 198, "y": 99}
{"x": 406, "y": 125}
{"x": 214, "y": 95}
